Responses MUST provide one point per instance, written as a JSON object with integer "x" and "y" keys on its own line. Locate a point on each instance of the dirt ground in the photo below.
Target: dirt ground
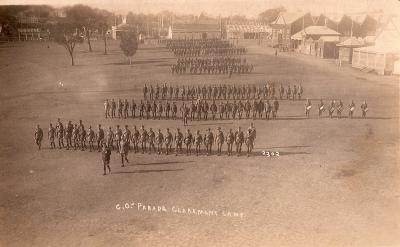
{"x": 336, "y": 182}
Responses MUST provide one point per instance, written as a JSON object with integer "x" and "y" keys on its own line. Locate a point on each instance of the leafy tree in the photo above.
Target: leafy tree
{"x": 67, "y": 34}
{"x": 129, "y": 44}
{"x": 85, "y": 17}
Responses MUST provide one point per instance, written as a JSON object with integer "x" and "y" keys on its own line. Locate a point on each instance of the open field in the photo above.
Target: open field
{"x": 336, "y": 182}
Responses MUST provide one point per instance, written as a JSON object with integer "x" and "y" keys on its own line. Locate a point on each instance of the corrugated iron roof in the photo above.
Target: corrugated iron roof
{"x": 286, "y": 18}
{"x": 195, "y": 27}
{"x": 248, "y": 28}
{"x": 351, "y": 42}
{"x": 315, "y": 30}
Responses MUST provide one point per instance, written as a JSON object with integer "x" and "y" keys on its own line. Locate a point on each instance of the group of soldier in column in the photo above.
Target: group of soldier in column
{"x": 335, "y": 106}
{"x": 194, "y": 110}
{"x": 75, "y": 136}
{"x": 264, "y": 91}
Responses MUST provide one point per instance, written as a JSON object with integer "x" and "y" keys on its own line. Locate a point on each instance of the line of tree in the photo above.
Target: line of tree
{"x": 80, "y": 23}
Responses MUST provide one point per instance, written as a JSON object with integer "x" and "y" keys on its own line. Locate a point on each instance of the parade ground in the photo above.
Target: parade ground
{"x": 334, "y": 183}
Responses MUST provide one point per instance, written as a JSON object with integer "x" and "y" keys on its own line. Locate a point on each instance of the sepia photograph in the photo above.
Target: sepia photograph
{"x": 200, "y": 123}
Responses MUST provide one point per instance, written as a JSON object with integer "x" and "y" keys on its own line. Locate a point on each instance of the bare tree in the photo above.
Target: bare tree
{"x": 67, "y": 35}
{"x": 85, "y": 17}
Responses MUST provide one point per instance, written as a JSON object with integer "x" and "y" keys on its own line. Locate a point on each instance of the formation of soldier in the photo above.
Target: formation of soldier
{"x": 202, "y": 47}
{"x": 335, "y": 106}
{"x": 222, "y": 92}
{"x": 123, "y": 141}
{"x": 199, "y": 109}
{"x": 214, "y": 65}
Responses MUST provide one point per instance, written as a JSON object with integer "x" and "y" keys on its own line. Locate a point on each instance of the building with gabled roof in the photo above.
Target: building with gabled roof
{"x": 195, "y": 31}
{"x": 382, "y": 56}
{"x": 247, "y": 31}
{"x": 346, "y": 48}
{"x": 319, "y": 41}
{"x": 287, "y": 24}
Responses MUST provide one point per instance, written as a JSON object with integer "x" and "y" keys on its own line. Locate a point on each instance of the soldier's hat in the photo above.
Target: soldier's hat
{"x": 218, "y": 128}
{"x": 126, "y": 126}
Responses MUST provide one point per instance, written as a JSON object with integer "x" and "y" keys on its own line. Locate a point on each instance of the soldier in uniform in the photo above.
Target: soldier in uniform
{"x": 230, "y": 139}
{"x": 151, "y": 92}
{"x": 197, "y": 141}
{"x": 250, "y": 138}
{"x": 288, "y": 92}
{"x": 247, "y": 108}
{"x": 113, "y": 108}
{"x": 220, "y": 140}
{"x": 90, "y": 138}
{"x": 188, "y": 142}
{"x": 68, "y": 134}
{"x": 239, "y": 139}
{"x": 352, "y": 107}
{"x": 294, "y": 92}
{"x": 221, "y": 110}
{"x": 135, "y": 139}
{"x": 38, "y": 136}
{"x": 267, "y": 109}
{"x": 123, "y": 151}
{"x": 118, "y": 137}
{"x": 213, "y": 109}
{"x": 82, "y": 136}
{"x": 107, "y": 108}
{"x": 185, "y": 114}
{"x": 364, "y": 109}
{"x": 148, "y": 109}
{"x": 281, "y": 91}
{"x": 240, "y": 109}
{"x": 154, "y": 110}
{"x": 205, "y": 110}
{"x": 120, "y": 108}
{"x": 254, "y": 109}
{"x": 174, "y": 110}
{"x": 321, "y": 108}
{"x": 331, "y": 109}
{"x": 126, "y": 135}
{"x": 234, "y": 109}
{"x": 151, "y": 138}
{"x": 100, "y": 138}
{"x": 126, "y": 109}
{"x": 75, "y": 136}
{"x": 143, "y": 139}
{"x": 167, "y": 110}
{"x": 178, "y": 141}
{"x": 168, "y": 142}
{"x": 300, "y": 91}
{"x": 339, "y": 109}
{"x": 133, "y": 109}
{"x": 159, "y": 141}
{"x": 141, "y": 109}
{"x": 145, "y": 90}
{"x": 109, "y": 138}
{"x": 308, "y": 108}
{"x": 106, "y": 155}
{"x": 60, "y": 133}
{"x": 208, "y": 141}
{"x": 160, "y": 110}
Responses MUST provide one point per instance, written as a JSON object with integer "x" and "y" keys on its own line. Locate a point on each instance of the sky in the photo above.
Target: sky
{"x": 249, "y": 8}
